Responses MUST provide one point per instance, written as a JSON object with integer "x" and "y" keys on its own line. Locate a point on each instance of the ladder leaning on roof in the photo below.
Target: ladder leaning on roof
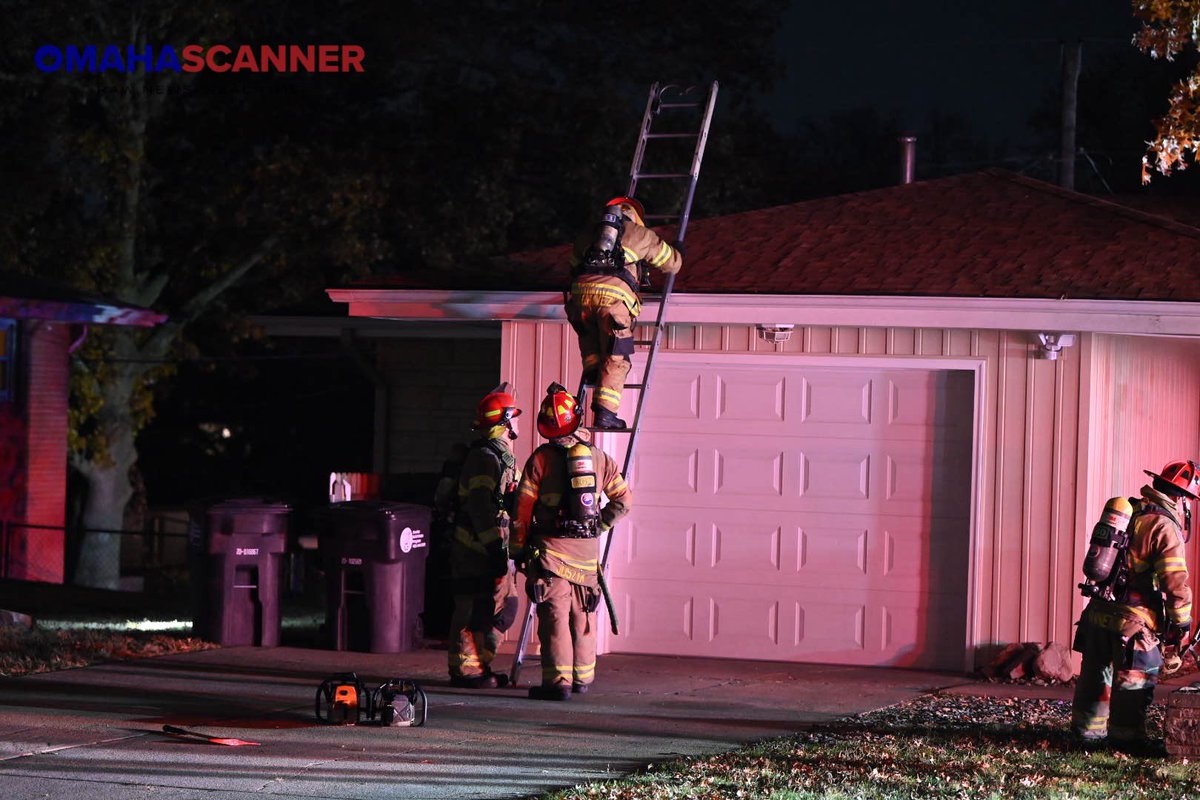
{"x": 672, "y": 100}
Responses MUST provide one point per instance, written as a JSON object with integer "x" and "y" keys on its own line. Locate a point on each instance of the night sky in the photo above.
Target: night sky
{"x": 990, "y": 62}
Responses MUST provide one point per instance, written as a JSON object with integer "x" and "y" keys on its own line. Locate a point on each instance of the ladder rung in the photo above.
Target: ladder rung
{"x": 635, "y": 385}
{"x": 656, "y": 176}
{"x": 671, "y": 135}
{"x": 678, "y": 105}
{"x": 643, "y": 342}
{"x": 609, "y": 430}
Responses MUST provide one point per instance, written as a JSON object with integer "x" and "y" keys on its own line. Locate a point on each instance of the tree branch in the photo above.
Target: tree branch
{"x": 160, "y": 341}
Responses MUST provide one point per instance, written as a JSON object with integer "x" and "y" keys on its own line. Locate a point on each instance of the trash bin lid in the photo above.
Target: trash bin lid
{"x": 254, "y": 505}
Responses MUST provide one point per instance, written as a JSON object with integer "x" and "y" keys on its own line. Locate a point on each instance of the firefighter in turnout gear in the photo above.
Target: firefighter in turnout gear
{"x": 556, "y": 542}
{"x": 1146, "y": 604}
{"x": 485, "y": 601}
{"x": 603, "y": 302}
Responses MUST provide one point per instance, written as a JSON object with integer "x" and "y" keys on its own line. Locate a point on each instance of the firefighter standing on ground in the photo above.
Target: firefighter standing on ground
{"x": 1121, "y": 638}
{"x": 555, "y": 536}
{"x": 603, "y": 303}
{"x": 483, "y": 587}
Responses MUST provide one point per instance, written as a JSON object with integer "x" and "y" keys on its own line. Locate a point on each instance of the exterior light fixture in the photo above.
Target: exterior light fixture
{"x": 1050, "y": 344}
{"x": 775, "y": 332}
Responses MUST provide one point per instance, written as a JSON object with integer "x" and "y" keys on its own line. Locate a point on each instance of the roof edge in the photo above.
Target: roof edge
{"x": 1141, "y": 317}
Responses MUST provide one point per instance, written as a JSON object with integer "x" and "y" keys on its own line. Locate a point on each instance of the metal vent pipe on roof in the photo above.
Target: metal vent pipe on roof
{"x": 908, "y": 158}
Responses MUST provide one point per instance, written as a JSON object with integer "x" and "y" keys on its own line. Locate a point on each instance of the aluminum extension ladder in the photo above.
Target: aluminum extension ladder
{"x": 665, "y": 105}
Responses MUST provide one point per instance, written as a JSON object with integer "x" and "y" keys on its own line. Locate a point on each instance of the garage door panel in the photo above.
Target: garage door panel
{"x": 667, "y": 467}
{"x": 746, "y": 472}
{"x": 819, "y": 551}
{"x": 872, "y": 628}
{"x": 750, "y": 398}
{"x": 834, "y": 474}
{"x": 835, "y": 397}
{"x": 799, "y": 513}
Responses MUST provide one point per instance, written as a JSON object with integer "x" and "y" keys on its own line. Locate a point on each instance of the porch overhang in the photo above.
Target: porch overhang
{"x": 1133, "y": 317}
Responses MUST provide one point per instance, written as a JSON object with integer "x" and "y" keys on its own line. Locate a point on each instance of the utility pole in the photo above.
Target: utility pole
{"x": 1072, "y": 58}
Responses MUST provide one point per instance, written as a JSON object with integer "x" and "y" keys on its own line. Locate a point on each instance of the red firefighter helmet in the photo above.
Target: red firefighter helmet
{"x": 1183, "y": 475}
{"x": 497, "y": 407}
{"x": 633, "y": 204}
{"x": 559, "y": 414}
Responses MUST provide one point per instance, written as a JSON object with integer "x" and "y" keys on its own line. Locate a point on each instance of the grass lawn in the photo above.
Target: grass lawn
{"x": 945, "y": 746}
{"x": 58, "y": 644}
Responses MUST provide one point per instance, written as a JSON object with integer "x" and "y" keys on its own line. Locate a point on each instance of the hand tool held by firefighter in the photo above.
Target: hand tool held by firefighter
{"x": 1108, "y": 543}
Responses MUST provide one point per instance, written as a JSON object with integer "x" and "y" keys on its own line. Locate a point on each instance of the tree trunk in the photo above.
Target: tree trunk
{"x": 108, "y": 491}
{"x": 107, "y": 478}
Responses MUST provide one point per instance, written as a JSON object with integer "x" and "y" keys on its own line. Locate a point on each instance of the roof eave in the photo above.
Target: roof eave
{"x": 1143, "y": 317}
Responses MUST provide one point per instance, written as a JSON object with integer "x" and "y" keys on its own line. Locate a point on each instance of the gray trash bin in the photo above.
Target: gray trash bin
{"x": 243, "y": 549}
{"x": 373, "y": 554}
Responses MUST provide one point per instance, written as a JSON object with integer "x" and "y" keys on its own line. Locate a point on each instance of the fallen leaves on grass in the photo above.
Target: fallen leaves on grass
{"x": 27, "y": 651}
{"x": 948, "y": 746}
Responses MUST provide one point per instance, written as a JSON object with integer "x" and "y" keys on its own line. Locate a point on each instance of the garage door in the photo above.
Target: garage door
{"x": 798, "y": 513}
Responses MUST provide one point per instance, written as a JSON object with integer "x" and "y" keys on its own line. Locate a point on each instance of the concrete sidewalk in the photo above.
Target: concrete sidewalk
{"x": 95, "y": 733}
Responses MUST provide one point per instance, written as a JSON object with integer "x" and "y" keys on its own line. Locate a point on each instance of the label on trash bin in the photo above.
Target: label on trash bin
{"x": 352, "y": 562}
{"x": 410, "y": 539}
{"x": 245, "y": 551}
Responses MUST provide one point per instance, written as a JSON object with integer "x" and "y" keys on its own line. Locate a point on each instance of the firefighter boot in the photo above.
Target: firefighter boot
{"x": 486, "y": 681}
{"x": 550, "y": 692}
{"x": 579, "y": 688}
{"x": 607, "y": 420}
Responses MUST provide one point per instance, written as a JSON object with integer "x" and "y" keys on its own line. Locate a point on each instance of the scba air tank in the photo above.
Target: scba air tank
{"x": 579, "y": 503}
{"x": 1109, "y": 538}
{"x": 608, "y": 232}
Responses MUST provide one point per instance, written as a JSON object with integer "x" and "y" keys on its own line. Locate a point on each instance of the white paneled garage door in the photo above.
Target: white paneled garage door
{"x": 797, "y": 513}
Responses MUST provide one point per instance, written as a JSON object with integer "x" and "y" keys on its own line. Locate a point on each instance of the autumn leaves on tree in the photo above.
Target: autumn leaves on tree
{"x": 1169, "y": 29}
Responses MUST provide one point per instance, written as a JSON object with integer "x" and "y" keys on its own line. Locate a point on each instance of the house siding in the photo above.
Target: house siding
{"x": 1144, "y": 412}
{"x": 434, "y": 387}
{"x": 37, "y": 554}
{"x": 1027, "y": 537}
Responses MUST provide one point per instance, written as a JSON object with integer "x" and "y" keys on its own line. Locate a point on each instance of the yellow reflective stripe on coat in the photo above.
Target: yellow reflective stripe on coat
{"x": 617, "y": 484}
{"x": 1180, "y": 615}
{"x": 464, "y": 537}
{"x": 585, "y": 564}
{"x": 662, "y": 256}
{"x": 1170, "y": 564}
{"x": 481, "y": 481}
{"x": 1145, "y": 615}
{"x": 603, "y": 294}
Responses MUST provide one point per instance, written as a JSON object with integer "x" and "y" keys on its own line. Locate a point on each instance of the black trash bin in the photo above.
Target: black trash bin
{"x": 373, "y": 553}
{"x": 242, "y": 552}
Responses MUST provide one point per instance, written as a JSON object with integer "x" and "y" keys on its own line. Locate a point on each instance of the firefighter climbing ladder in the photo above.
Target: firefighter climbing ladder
{"x": 664, "y": 105}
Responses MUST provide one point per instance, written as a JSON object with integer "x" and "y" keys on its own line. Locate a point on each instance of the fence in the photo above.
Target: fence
{"x": 160, "y": 546}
